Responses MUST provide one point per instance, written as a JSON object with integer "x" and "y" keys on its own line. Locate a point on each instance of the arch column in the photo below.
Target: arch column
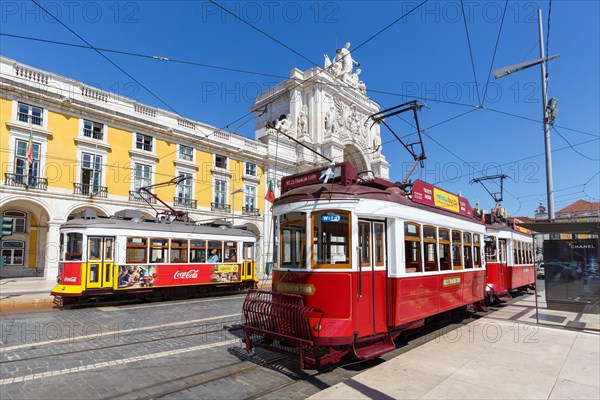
{"x": 51, "y": 251}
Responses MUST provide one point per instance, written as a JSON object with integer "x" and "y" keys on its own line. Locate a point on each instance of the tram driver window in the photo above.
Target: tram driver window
{"x": 444, "y": 250}
{"x": 412, "y": 247}
{"x": 74, "y": 246}
{"x": 331, "y": 239}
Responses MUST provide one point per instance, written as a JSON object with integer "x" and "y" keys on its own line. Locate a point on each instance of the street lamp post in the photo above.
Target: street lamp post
{"x": 233, "y": 205}
{"x": 548, "y": 108}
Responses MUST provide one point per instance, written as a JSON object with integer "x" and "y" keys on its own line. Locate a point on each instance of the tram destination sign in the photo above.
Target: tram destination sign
{"x": 343, "y": 174}
{"x": 430, "y": 195}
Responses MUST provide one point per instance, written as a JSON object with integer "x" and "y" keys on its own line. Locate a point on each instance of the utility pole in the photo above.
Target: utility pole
{"x": 549, "y": 180}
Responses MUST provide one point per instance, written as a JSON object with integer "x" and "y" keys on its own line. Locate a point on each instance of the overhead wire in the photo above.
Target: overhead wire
{"x": 464, "y": 18}
{"x": 571, "y": 147}
{"x": 494, "y": 55}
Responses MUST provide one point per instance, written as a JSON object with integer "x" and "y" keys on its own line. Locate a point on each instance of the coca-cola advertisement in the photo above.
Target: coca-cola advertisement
{"x": 71, "y": 274}
{"x": 140, "y": 276}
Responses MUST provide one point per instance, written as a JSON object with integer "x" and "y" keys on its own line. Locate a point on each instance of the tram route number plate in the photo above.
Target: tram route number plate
{"x": 330, "y": 217}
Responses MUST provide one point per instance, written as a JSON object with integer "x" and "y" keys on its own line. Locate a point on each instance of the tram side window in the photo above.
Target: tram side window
{"x": 444, "y": 250}
{"x": 412, "y": 247}
{"x": 430, "y": 243}
{"x": 491, "y": 253}
{"x": 94, "y": 245}
{"x": 159, "y": 249}
{"x": 136, "y": 250}
{"x": 198, "y": 251}
{"x": 215, "y": 248}
{"x": 179, "y": 250}
{"x": 331, "y": 239}
{"x": 457, "y": 262}
{"x": 468, "y": 250}
{"x": 74, "y": 246}
{"x": 248, "y": 251}
{"x": 379, "y": 229}
{"x": 476, "y": 251}
{"x": 364, "y": 243}
{"x": 230, "y": 252}
{"x": 516, "y": 253}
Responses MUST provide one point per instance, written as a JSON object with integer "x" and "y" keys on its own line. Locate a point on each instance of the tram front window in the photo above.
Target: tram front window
{"x": 74, "y": 246}
{"x": 293, "y": 240}
{"x": 331, "y": 238}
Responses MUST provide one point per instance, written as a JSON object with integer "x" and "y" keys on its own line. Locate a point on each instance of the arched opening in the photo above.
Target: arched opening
{"x": 24, "y": 251}
{"x": 355, "y": 156}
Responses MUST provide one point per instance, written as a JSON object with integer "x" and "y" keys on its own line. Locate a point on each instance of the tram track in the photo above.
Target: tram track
{"x": 133, "y": 343}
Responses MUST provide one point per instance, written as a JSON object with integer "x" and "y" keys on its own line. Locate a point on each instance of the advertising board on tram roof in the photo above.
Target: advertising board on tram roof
{"x": 430, "y": 195}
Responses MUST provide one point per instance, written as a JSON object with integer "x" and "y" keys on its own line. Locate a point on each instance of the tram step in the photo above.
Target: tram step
{"x": 383, "y": 345}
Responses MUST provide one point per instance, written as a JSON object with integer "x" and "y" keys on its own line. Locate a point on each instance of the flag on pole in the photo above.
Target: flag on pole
{"x": 30, "y": 149}
{"x": 270, "y": 196}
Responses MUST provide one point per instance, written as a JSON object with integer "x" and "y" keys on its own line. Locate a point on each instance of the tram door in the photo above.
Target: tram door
{"x": 371, "y": 294}
{"x": 99, "y": 271}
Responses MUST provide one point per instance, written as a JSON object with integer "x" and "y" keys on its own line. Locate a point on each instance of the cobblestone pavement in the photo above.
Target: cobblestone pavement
{"x": 171, "y": 350}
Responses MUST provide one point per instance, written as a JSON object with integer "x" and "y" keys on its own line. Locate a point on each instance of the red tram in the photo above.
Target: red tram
{"x": 358, "y": 261}
{"x": 509, "y": 260}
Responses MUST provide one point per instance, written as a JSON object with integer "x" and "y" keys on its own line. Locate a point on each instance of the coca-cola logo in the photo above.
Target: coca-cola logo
{"x": 191, "y": 274}
{"x": 69, "y": 279}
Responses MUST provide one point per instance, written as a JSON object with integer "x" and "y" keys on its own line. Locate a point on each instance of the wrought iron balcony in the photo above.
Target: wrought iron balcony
{"x": 220, "y": 207}
{"x": 25, "y": 181}
{"x": 90, "y": 190}
{"x": 141, "y": 198}
{"x": 183, "y": 202}
{"x": 250, "y": 211}
{"x": 94, "y": 134}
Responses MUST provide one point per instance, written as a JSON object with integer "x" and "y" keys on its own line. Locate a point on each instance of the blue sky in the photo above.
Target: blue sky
{"x": 424, "y": 55}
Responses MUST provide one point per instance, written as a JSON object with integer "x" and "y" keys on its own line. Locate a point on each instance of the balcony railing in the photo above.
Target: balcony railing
{"x": 143, "y": 146}
{"x": 90, "y": 190}
{"x": 94, "y": 134}
{"x": 138, "y": 197}
{"x": 183, "y": 202}
{"x": 26, "y": 181}
{"x": 250, "y": 211}
{"x": 220, "y": 207}
{"x": 26, "y": 118}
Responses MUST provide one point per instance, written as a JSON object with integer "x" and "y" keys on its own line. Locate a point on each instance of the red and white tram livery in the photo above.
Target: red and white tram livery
{"x": 359, "y": 261}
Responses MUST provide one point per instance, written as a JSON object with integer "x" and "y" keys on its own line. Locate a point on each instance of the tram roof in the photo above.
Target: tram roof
{"x": 157, "y": 226}
{"x": 335, "y": 191}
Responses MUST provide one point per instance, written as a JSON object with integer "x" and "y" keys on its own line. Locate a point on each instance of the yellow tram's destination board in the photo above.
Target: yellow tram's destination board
{"x": 445, "y": 200}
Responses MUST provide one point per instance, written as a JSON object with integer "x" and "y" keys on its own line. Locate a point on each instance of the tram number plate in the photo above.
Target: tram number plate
{"x": 330, "y": 217}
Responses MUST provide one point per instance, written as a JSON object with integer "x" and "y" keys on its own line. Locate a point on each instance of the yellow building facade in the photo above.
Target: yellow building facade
{"x": 66, "y": 148}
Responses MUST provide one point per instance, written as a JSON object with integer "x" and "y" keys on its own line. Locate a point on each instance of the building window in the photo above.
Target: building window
{"x": 142, "y": 176}
{"x": 186, "y": 153}
{"x": 220, "y": 192}
{"x": 27, "y": 170}
{"x": 250, "y": 169}
{"x": 143, "y": 142}
{"x": 91, "y": 173}
{"x": 250, "y": 198}
{"x": 28, "y": 113}
{"x": 93, "y": 130}
{"x": 13, "y": 252}
{"x": 184, "y": 188}
{"x": 220, "y": 161}
{"x": 19, "y": 220}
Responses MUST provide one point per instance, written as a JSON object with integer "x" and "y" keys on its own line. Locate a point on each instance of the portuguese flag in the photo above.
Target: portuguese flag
{"x": 270, "y": 196}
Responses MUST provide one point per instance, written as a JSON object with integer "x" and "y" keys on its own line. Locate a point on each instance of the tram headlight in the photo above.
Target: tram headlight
{"x": 316, "y": 327}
